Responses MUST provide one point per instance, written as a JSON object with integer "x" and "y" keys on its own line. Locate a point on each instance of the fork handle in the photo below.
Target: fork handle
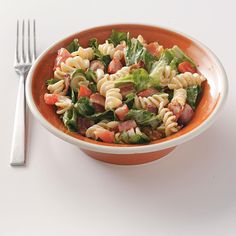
{"x": 17, "y": 157}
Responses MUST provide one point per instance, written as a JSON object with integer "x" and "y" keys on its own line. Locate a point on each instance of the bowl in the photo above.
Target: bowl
{"x": 213, "y": 96}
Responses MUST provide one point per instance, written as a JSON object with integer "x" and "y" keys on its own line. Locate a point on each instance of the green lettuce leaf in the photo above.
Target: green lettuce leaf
{"x": 73, "y": 96}
{"x": 106, "y": 115}
{"x": 116, "y": 37}
{"x": 138, "y": 139}
{"x": 178, "y": 53}
{"x": 139, "y": 78}
{"x": 93, "y": 43}
{"x": 193, "y": 95}
{"x": 70, "y": 119}
{"x": 51, "y": 81}
{"x": 130, "y": 100}
{"x": 90, "y": 75}
{"x": 84, "y": 107}
{"x": 134, "y": 139}
{"x": 143, "y": 117}
{"x": 73, "y": 46}
{"x": 148, "y": 59}
{"x": 134, "y": 52}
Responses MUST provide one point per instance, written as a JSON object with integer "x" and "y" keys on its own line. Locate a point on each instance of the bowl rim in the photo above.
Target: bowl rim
{"x": 130, "y": 149}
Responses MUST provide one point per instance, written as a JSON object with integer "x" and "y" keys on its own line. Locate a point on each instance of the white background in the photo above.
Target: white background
{"x": 61, "y": 191}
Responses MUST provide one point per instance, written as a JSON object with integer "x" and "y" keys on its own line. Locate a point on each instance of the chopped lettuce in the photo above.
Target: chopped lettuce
{"x": 133, "y": 139}
{"x": 134, "y": 52}
{"x": 148, "y": 59}
{"x": 84, "y": 107}
{"x": 143, "y": 117}
{"x": 130, "y": 100}
{"x": 139, "y": 138}
{"x": 139, "y": 78}
{"x": 116, "y": 37}
{"x": 193, "y": 95}
{"x": 157, "y": 73}
{"x": 70, "y": 119}
{"x": 93, "y": 43}
{"x": 73, "y": 46}
{"x": 51, "y": 81}
{"x": 73, "y": 96}
{"x": 106, "y": 115}
{"x": 178, "y": 53}
{"x": 93, "y": 87}
{"x": 90, "y": 75}
{"x": 79, "y": 75}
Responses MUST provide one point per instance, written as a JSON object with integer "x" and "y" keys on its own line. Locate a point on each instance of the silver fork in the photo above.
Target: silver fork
{"x": 24, "y": 57}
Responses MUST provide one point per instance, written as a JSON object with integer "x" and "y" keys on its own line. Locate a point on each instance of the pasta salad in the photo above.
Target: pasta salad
{"x": 124, "y": 90}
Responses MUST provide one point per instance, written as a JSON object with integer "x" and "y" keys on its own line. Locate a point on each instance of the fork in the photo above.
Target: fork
{"x": 24, "y": 58}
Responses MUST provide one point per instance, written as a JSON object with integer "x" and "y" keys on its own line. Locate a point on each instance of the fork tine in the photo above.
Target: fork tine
{"x": 28, "y": 59}
{"x": 23, "y": 42}
{"x": 34, "y": 41}
{"x": 17, "y": 43}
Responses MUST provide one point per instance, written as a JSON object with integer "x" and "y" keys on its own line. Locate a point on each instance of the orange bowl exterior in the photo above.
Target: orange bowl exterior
{"x": 167, "y": 38}
{"x": 129, "y": 159}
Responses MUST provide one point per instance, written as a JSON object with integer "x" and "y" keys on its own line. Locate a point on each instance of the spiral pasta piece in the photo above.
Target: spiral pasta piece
{"x": 120, "y": 73}
{"x": 64, "y": 103}
{"x": 185, "y": 80}
{"x": 107, "y": 49}
{"x": 165, "y": 74}
{"x": 154, "y": 100}
{"x": 113, "y": 98}
{"x": 58, "y": 74}
{"x": 119, "y": 51}
{"x": 180, "y": 96}
{"x": 106, "y": 87}
{"x": 92, "y": 131}
{"x": 99, "y": 75}
{"x": 141, "y": 40}
{"x": 56, "y": 88}
{"x": 70, "y": 65}
{"x": 105, "y": 84}
{"x": 85, "y": 53}
{"x": 169, "y": 124}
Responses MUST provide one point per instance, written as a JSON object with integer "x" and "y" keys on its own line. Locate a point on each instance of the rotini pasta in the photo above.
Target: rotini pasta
{"x": 56, "y": 88}
{"x": 180, "y": 96}
{"x": 169, "y": 120}
{"x": 94, "y": 130}
{"x": 154, "y": 100}
{"x": 107, "y": 49}
{"x": 106, "y": 87}
{"x": 70, "y": 65}
{"x": 63, "y": 104}
{"x": 113, "y": 98}
{"x": 164, "y": 73}
{"x": 120, "y": 73}
{"x": 85, "y": 53}
{"x": 99, "y": 74}
{"x": 185, "y": 80}
{"x": 141, "y": 40}
{"x": 105, "y": 84}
